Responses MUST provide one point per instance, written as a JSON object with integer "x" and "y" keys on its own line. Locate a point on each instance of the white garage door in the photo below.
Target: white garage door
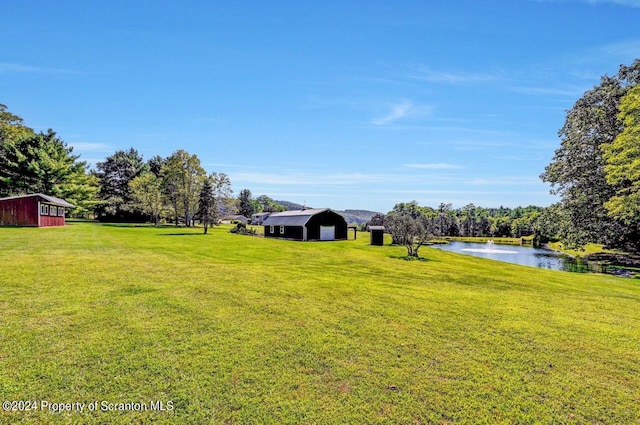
{"x": 327, "y": 233}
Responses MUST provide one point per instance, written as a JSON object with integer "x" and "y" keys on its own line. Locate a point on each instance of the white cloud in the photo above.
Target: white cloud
{"x": 397, "y": 112}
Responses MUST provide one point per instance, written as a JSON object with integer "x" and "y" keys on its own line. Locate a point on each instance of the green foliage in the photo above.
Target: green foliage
{"x": 623, "y": 162}
{"x": 242, "y": 229}
{"x": 224, "y": 204}
{"x": 254, "y": 330}
{"x": 207, "y": 204}
{"x": 410, "y": 225}
{"x": 183, "y": 178}
{"x": 43, "y": 163}
{"x": 246, "y": 204}
{"x": 266, "y": 204}
{"x": 577, "y": 172}
{"x": 115, "y": 174}
{"x": 146, "y": 191}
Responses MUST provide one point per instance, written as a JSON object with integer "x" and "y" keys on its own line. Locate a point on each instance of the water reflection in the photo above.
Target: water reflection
{"x": 523, "y": 255}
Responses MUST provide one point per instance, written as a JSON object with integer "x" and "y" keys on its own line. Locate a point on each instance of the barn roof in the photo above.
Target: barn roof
{"x": 293, "y": 218}
{"x": 50, "y": 199}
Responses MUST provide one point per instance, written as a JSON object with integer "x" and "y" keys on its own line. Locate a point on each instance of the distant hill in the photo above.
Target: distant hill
{"x": 291, "y": 206}
{"x": 357, "y": 216}
{"x": 352, "y": 216}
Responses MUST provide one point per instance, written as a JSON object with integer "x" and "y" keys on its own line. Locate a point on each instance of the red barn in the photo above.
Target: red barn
{"x": 33, "y": 210}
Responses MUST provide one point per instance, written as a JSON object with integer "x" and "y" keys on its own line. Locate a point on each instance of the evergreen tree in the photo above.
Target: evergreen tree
{"x": 207, "y": 205}
{"x": 115, "y": 174}
{"x": 246, "y": 205}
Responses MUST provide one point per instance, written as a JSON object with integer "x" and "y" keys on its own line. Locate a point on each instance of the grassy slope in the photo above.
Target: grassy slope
{"x": 247, "y": 330}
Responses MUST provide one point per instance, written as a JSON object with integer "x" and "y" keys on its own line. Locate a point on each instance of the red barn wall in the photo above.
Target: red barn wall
{"x": 25, "y": 211}
{"x": 19, "y": 212}
{"x": 46, "y": 221}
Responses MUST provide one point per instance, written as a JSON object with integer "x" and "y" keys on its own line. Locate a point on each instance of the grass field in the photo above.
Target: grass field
{"x": 225, "y": 328}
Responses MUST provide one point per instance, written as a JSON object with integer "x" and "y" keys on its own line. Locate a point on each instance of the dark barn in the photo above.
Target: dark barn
{"x": 36, "y": 210}
{"x": 306, "y": 225}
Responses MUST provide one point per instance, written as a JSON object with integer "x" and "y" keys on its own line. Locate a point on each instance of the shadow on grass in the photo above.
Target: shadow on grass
{"x": 407, "y": 258}
{"x": 128, "y": 225}
{"x": 182, "y": 234}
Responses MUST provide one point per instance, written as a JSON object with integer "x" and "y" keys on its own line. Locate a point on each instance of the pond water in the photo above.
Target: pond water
{"x": 523, "y": 255}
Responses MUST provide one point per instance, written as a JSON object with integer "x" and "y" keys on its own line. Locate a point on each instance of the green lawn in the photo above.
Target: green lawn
{"x": 235, "y": 329}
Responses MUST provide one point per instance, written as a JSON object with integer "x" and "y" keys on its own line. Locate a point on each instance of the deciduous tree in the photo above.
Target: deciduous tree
{"x": 184, "y": 177}
{"x": 410, "y": 225}
{"x": 146, "y": 190}
{"x": 577, "y": 172}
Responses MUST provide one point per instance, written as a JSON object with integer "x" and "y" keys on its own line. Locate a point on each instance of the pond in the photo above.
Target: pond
{"x": 517, "y": 254}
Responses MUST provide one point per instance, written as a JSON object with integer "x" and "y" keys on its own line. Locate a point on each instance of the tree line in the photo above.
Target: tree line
{"x": 412, "y": 225}
{"x": 124, "y": 187}
{"x": 595, "y": 171}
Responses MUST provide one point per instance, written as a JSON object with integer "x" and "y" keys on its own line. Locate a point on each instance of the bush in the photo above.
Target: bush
{"x": 242, "y": 229}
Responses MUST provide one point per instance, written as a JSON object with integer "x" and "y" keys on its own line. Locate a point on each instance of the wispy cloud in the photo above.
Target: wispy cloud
{"x": 424, "y": 73}
{"x": 546, "y": 91}
{"x": 28, "y": 69}
{"x": 504, "y": 181}
{"x": 435, "y": 166}
{"x": 91, "y": 147}
{"x": 307, "y": 179}
{"x": 628, "y": 48}
{"x": 397, "y": 112}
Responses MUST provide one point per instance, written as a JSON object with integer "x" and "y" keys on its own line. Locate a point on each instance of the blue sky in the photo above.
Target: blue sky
{"x": 337, "y": 104}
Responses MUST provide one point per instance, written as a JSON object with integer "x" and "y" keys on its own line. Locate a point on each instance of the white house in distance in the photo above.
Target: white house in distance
{"x": 259, "y": 218}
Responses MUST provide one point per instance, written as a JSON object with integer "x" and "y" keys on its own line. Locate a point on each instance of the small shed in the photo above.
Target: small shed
{"x": 234, "y": 218}
{"x": 314, "y": 224}
{"x": 377, "y": 235}
{"x": 36, "y": 210}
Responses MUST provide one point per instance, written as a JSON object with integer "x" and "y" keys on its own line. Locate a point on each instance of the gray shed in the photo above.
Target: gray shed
{"x": 377, "y": 235}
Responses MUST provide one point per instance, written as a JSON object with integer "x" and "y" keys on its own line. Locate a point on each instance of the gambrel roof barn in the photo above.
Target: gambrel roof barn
{"x": 314, "y": 224}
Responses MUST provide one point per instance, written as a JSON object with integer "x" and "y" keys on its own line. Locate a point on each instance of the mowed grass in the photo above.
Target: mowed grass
{"x": 238, "y": 329}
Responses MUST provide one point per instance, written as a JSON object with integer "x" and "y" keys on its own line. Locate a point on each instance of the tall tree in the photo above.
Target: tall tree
{"x": 146, "y": 190}
{"x": 246, "y": 205}
{"x": 577, "y": 172}
{"x": 39, "y": 163}
{"x": 207, "y": 210}
{"x": 155, "y": 165}
{"x": 623, "y": 165}
{"x": 222, "y": 192}
{"x": 184, "y": 177}
{"x": 115, "y": 174}
{"x": 12, "y": 129}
